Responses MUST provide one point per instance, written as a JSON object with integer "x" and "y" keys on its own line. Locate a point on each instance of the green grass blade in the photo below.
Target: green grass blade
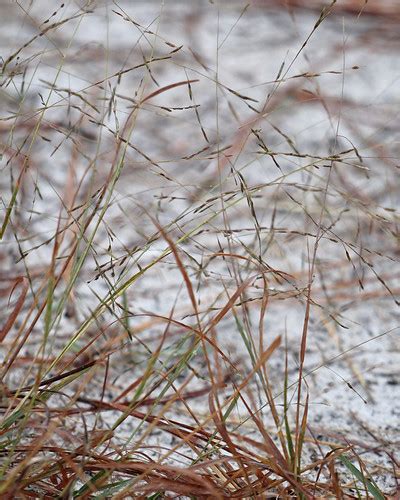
{"x": 369, "y": 483}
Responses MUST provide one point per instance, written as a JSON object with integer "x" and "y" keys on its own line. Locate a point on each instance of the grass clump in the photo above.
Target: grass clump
{"x": 198, "y": 242}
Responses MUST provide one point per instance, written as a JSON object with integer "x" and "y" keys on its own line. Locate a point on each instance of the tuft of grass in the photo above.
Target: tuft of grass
{"x": 193, "y": 226}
